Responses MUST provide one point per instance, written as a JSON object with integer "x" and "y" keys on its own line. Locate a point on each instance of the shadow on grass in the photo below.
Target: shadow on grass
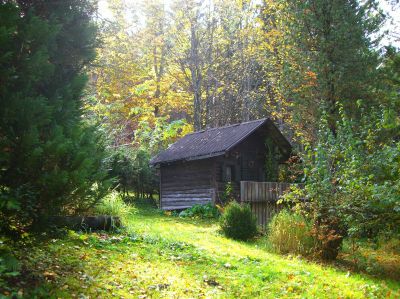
{"x": 165, "y": 256}
{"x": 373, "y": 263}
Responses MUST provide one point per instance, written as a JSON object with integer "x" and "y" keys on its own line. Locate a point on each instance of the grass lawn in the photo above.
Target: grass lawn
{"x": 167, "y": 257}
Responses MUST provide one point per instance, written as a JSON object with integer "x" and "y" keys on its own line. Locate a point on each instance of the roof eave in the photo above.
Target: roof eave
{"x": 283, "y": 143}
{"x": 200, "y": 157}
{"x": 247, "y": 135}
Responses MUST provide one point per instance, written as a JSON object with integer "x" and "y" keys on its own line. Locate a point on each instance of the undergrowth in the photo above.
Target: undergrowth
{"x": 290, "y": 233}
{"x": 207, "y": 211}
{"x": 114, "y": 205}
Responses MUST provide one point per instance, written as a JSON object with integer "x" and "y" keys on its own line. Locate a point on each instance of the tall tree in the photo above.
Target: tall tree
{"x": 188, "y": 52}
{"x": 134, "y": 86}
{"x": 50, "y": 159}
{"x": 327, "y": 56}
{"x": 217, "y": 46}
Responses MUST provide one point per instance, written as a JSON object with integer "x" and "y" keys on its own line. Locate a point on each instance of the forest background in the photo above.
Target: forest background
{"x": 327, "y": 72}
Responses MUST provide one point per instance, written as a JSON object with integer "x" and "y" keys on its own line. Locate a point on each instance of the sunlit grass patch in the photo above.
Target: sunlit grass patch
{"x": 163, "y": 256}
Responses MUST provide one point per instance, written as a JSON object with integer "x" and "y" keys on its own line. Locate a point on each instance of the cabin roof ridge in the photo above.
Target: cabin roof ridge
{"x": 215, "y": 141}
{"x": 228, "y": 126}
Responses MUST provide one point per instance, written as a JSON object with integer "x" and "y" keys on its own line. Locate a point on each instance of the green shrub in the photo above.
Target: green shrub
{"x": 114, "y": 205}
{"x": 238, "y": 222}
{"x": 290, "y": 233}
{"x": 201, "y": 211}
{"x": 9, "y": 265}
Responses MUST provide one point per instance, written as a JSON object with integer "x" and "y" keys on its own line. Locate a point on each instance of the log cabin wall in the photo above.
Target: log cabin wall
{"x": 246, "y": 162}
{"x": 184, "y": 184}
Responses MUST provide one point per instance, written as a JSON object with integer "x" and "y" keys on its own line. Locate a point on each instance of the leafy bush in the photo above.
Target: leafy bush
{"x": 114, "y": 205}
{"x": 352, "y": 179}
{"x": 238, "y": 222}
{"x": 290, "y": 233}
{"x": 201, "y": 211}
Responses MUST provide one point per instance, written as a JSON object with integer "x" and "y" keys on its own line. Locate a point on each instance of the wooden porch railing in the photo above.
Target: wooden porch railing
{"x": 262, "y": 197}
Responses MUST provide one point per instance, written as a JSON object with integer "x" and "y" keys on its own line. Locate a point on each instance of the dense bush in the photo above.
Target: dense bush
{"x": 201, "y": 211}
{"x": 352, "y": 180}
{"x": 291, "y": 233}
{"x": 238, "y": 222}
{"x": 391, "y": 245}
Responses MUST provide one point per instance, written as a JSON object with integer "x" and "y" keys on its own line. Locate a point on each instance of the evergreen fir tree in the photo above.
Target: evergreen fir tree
{"x": 50, "y": 160}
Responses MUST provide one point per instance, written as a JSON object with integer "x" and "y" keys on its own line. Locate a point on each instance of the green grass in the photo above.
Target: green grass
{"x": 114, "y": 205}
{"x": 163, "y": 256}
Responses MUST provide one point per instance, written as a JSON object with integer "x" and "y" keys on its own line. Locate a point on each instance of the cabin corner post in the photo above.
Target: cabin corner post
{"x": 160, "y": 195}
{"x": 213, "y": 196}
{"x": 214, "y": 183}
{"x": 242, "y": 191}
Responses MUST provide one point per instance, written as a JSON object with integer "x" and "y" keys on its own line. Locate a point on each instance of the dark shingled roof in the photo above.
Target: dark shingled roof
{"x": 214, "y": 142}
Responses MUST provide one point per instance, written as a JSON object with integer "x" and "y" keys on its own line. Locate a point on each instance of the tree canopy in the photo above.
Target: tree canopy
{"x": 158, "y": 70}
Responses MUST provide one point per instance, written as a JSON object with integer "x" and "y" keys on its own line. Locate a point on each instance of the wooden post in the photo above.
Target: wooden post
{"x": 160, "y": 194}
{"x": 242, "y": 190}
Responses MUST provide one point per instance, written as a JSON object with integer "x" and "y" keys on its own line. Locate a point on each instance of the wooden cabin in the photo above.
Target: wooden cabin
{"x": 196, "y": 168}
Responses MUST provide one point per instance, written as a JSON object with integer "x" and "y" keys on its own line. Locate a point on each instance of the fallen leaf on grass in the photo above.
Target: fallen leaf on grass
{"x": 210, "y": 281}
{"x": 83, "y": 256}
{"x": 159, "y": 287}
{"x": 50, "y": 275}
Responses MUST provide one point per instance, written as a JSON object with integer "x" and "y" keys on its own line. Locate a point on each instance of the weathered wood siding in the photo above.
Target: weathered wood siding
{"x": 184, "y": 184}
{"x": 264, "y": 211}
{"x": 262, "y": 191}
{"x": 247, "y": 158}
{"x": 262, "y": 197}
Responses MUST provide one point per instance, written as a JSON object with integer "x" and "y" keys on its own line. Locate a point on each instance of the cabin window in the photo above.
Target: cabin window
{"x": 229, "y": 173}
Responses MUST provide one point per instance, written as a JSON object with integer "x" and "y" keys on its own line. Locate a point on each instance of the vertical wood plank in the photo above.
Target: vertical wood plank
{"x": 251, "y": 190}
{"x": 262, "y": 198}
{"x": 160, "y": 196}
{"x": 247, "y": 191}
{"x": 242, "y": 191}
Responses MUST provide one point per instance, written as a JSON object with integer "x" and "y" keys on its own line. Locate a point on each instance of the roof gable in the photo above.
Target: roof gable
{"x": 213, "y": 142}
